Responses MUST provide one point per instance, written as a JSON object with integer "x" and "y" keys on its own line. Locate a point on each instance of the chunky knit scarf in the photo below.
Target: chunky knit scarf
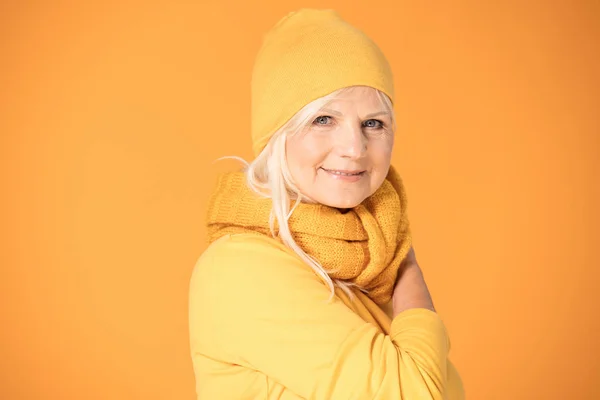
{"x": 364, "y": 246}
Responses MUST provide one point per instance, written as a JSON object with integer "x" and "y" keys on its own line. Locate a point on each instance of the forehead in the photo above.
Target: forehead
{"x": 356, "y": 97}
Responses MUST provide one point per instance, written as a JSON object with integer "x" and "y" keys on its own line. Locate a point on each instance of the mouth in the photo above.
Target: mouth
{"x": 343, "y": 174}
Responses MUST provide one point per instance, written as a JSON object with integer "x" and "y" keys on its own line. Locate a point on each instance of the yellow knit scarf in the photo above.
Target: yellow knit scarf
{"x": 364, "y": 246}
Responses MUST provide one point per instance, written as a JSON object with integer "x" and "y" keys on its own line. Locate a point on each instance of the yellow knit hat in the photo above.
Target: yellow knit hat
{"x": 308, "y": 54}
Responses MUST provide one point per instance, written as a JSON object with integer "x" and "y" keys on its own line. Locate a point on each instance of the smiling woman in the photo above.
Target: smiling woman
{"x": 341, "y": 160}
{"x": 310, "y": 287}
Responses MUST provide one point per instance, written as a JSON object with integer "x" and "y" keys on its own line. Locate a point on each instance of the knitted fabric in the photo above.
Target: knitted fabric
{"x": 364, "y": 246}
{"x": 308, "y": 54}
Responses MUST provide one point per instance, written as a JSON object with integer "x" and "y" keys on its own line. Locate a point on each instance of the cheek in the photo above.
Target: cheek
{"x": 296, "y": 157}
{"x": 381, "y": 150}
{"x": 298, "y": 161}
{"x": 306, "y": 152}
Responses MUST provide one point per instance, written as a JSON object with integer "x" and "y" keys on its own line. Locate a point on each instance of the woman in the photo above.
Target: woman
{"x": 310, "y": 288}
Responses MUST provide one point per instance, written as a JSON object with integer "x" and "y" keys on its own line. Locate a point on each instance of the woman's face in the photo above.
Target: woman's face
{"x": 344, "y": 155}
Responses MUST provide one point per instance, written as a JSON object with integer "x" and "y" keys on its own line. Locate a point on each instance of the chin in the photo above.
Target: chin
{"x": 345, "y": 203}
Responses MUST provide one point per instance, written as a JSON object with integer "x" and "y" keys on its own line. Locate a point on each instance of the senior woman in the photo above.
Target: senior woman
{"x": 310, "y": 288}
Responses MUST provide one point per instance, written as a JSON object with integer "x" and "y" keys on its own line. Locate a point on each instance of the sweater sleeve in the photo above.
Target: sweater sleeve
{"x": 258, "y": 306}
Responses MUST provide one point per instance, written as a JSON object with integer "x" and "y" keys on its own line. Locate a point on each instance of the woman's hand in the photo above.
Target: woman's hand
{"x": 411, "y": 290}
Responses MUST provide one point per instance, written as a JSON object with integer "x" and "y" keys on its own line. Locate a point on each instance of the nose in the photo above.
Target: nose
{"x": 351, "y": 142}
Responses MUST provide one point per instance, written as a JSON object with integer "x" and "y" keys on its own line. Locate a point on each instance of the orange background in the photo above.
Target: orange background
{"x": 112, "y": 114}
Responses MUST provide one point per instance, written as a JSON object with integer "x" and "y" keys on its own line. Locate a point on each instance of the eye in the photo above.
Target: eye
{"x": 321, "y": 120}
{"x": 373, "y": 123}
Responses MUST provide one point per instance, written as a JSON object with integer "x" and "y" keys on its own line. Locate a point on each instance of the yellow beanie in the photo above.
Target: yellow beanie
{"x": 308, "y": 54}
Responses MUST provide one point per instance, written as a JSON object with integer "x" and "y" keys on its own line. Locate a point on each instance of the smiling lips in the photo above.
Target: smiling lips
{"x": 345, "y": 175}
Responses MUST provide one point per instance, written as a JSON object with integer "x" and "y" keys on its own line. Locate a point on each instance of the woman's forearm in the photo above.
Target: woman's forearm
{"x": 411, "y": 290}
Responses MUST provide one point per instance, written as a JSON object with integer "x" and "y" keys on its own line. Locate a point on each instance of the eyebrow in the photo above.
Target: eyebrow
{"x": 339, "y": 114}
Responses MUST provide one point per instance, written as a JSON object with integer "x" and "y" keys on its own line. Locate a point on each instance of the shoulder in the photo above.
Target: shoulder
{"x": 246, "y": 264}
{"x": 246, "y": 253}
{"x": 249, "y": 293}
{"x": 243, "y": 279}
{"x": 249, "y": 243}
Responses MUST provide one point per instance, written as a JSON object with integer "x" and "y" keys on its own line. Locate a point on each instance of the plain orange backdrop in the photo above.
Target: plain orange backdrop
{"x": 111, "y": 115}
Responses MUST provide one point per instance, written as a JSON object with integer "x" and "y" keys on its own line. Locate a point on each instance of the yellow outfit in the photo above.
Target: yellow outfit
{"x": 260, "y": 320}
{"x": 261, "y": 327}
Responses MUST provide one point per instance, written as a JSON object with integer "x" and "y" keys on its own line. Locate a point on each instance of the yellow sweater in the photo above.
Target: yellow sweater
{"x": 261, "y": 327}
